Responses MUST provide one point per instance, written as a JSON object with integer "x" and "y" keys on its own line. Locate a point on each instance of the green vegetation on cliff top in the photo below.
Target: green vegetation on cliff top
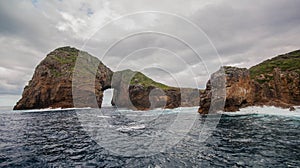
{"x": 138, "y": 78}
{"x": 142, "y": 79}
{"x": 65, "y": 55}
{"x": 286, "y": 62}
{"x": 66, "y": 58}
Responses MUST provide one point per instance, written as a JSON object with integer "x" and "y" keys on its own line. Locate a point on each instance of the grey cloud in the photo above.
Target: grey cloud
{"x": 236, "y": 28}
{"x": 243, "y": 32}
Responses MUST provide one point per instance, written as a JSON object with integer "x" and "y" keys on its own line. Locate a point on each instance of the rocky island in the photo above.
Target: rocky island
{"x": 273, "y": 82}
{"x": 56, "y": 84}
{"x": 51, "y": 84}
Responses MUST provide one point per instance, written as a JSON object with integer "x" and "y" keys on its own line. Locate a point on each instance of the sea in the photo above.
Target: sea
{"x": 112, "y": 137}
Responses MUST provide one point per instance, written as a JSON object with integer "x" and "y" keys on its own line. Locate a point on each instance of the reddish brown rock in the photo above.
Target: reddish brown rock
{"x": 238, "y": 90}
{"x": 242, "y": 91}
{"x": 136, "y": 91}
{"x": 69, "y": 78}
{"x": 51, "y": 84}
{"x": 281, "y": 90}
{"x": 274, "y": 82}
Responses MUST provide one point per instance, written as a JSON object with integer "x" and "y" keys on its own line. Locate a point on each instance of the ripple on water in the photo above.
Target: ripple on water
{"x": 57, "y": 139}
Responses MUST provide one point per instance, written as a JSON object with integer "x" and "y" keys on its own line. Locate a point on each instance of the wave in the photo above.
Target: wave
{"x": 122, "y": 110}
{"x": 257, "y": 110}
{"x": 265, "y": 110}
{"x": 131, "y": 128}
{"x": 159, "y": 111}
{"x": 50, "y": 109}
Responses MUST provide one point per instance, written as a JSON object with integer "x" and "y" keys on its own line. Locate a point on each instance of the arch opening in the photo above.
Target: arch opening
{"x": 107, "y": 97}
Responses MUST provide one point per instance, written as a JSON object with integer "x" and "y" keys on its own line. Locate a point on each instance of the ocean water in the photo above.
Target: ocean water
{"x": 253, "y": 137}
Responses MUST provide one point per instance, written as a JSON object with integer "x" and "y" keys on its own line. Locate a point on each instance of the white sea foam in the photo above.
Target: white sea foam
{"x": 131, "y": 127}
{"x": 50, "y": 109}
{"x": 266, "y": 110}
{"x": 159, "y": 111}
{"x": 103, "y": 116}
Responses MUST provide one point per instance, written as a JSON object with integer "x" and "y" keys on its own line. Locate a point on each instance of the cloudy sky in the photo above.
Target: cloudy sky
{"x": 177, "y": 42}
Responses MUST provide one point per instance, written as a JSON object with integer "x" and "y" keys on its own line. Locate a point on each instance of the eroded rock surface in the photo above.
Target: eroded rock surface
{"x": 274, "y": 82}
{"x": 136, "y": 91}
{"x": 51, "y": 84}
{"x": 69, "y": 78}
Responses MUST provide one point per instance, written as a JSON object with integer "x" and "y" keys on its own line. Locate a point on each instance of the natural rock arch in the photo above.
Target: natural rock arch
{"x": 68, "y": 77}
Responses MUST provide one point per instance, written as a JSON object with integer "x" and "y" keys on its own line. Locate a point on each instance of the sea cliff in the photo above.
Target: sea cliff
{"x": 56, "y": 83}
{"x": 51, "y": 84}
{"x": 274, "y": 82}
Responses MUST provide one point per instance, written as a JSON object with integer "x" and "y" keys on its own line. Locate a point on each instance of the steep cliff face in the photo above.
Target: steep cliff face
{"x": 51, "y": 84}
{"x": 68, "y": 77}
{"x": 273, "y": 82}
{"x": 136, "y": 91}
{"x": 238, "y": 86}
{"x": 282, "y": 90}
{"x": 276, "y": 81}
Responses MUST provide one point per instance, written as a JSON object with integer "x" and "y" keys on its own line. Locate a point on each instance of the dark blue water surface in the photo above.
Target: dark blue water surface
{"x": 58, "y": 139}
